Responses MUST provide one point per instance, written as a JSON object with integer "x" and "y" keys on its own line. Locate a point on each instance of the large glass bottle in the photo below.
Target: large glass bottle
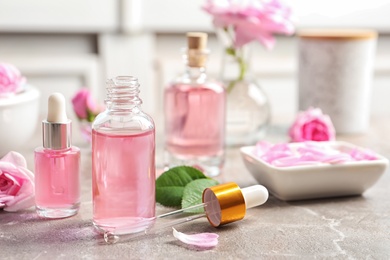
{"x": 194, "y": 108}
{"x": 123, "y": 161}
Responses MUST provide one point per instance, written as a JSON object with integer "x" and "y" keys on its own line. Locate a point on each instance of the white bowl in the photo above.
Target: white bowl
{"x": 18, "y": 119}
{"x": 316, "y": 181}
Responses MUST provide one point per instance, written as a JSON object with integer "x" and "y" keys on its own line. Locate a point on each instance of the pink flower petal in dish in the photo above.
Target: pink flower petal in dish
{"x": 308, "y": 153}
{"x": 294, "y": 161}
{"x": 262, "y": 148}
{"x": 272, "y": 156}
{"x": 359, "y": 154}
{"x": 204, "y": 240}
{"x": 338, "y": 158}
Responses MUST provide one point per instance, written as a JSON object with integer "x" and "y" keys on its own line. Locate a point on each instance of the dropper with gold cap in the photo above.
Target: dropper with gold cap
{"x": 222, "y": 204}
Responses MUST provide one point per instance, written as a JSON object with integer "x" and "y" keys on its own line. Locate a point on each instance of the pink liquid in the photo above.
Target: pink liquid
{"x": 123, "y": 180}
{"x": 195, "y": 119}
{"x": 57, "y": 181}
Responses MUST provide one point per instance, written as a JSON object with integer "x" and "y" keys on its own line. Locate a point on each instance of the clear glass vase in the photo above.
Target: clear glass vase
{"x": 248, "y": 109}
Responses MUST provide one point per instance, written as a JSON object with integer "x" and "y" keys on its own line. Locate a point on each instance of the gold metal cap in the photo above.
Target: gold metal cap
{"x": 225, "y": 203}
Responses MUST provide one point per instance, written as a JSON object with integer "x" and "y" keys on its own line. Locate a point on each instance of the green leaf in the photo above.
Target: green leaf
{"x": 170, "y": 185}
{"x": 231, "y": 51}
{"x": 192, "y": 194}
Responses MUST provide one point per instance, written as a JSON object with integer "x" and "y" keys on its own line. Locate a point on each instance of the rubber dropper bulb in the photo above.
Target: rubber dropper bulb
{"x": 254, "y": 195}
{"x": 56, "y": 112}
{"x": 57, "y": 127}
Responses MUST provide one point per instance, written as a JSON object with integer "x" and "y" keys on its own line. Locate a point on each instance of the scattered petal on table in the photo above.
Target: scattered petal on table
{"x": 205, "y": 240}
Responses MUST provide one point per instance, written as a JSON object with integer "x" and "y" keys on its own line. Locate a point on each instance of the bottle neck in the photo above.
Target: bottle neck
{"x": 194, "y": 73}
{"x": 195, "y": 62}
{"x": 123, "y": 94}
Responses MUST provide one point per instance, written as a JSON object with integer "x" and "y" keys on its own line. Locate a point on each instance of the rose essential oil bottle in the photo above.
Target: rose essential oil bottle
{"x": 194, "y": 108}
{"x": 57, "y": 165}
{"x": 123, "y": 161}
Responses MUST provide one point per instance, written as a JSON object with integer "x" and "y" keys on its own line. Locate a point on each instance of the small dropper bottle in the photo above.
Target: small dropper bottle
{"x": 57, "y": 165}
{"x": 222, "y": 204}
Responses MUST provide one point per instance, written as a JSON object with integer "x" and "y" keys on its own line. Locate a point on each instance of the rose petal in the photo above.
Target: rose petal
{"x": 80, "y": 104}
{"x": 17, "y": 183}
{"x": 85, "y": 106}
{"x": 204, "y": 240}
{"x": 359, "y": 154}
{"x": 15, "y": 158}
{"x": 251, "y": 20}
{"x": 25, "y": 201}
{"x": 308, "y": 153}
{"x": 11, "y": 80}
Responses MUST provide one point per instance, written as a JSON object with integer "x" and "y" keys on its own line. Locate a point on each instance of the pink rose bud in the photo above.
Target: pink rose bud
{"x": 11, "y": 80}
{"x": 16, "y": 183}
{"x": 312, "y": 125}
{"x": 84, "y": 105}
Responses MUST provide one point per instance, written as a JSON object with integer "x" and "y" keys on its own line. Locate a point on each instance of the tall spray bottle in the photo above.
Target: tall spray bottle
{"x": 123, "y": 161}
{"x": 57, "y": 165}
{"x": 194, "y": 108}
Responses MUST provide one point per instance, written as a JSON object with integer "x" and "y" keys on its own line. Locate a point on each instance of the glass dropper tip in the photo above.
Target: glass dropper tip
{"x": 110, "y": 238}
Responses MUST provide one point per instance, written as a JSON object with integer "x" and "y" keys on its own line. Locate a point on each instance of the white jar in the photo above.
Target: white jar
{"x": 335, "y": 74}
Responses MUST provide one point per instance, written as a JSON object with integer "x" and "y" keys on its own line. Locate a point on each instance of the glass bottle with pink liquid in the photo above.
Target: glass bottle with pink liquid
{"x": 194, "y": 108}
{"x": 123, "y": 161}
{"x": 57, "y": 165}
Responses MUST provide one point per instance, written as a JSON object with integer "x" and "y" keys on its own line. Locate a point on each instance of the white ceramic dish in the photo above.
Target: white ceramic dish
{"x": 18, "y": 119}
{"x": 316, "y": 181}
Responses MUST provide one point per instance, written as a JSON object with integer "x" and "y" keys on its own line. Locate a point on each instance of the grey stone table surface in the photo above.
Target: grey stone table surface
{"x": 341, "y": 228}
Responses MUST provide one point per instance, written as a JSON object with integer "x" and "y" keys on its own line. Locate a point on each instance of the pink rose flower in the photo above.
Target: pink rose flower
{"x": 85, "y": 106}
{"x": 11, "y": 80}
{"x": 312, "y": 125}
{"x": 16, "y": 183}
{"x": 251, "y": 20}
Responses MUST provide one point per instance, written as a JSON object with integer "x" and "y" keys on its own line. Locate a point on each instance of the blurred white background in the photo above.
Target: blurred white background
{"x": 64, "y": 45}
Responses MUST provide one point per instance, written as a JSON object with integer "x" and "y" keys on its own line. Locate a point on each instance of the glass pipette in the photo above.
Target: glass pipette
{"x": 222, "y": 204}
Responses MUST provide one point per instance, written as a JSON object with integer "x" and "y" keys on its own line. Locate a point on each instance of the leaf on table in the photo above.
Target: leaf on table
{"x": 170, "y": 185}
{"x": 192, "y": 194}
